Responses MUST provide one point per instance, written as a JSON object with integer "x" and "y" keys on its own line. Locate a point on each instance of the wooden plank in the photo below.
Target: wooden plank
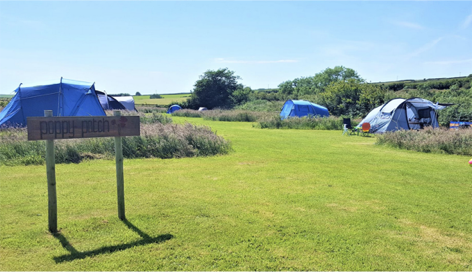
{"x": 120, "y": 182}
{"x": 51, "y": 177}
{"x": 56, "y": 128}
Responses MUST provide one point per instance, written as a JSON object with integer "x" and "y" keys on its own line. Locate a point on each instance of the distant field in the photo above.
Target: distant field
{"x": 6, "y": 96}
{"x": 166, "y": 100}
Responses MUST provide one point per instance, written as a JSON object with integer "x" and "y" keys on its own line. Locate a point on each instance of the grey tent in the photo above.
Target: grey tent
{"x": 127, "y": 102}
{"x": 399, "y": 113}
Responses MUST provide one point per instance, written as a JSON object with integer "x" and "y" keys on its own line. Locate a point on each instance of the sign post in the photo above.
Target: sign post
{"x": 51, "y": 176}
{"x": 51, "y": 128}
{"x": 120, "y": 182}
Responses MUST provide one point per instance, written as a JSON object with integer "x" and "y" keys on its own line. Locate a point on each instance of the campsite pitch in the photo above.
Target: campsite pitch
{"x": 283, "y": 200}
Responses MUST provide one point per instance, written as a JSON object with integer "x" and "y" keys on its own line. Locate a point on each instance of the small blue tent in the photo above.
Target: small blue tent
{"x": 173, "y": 108}
{"x": 64, "y": 98}
{"x": 300, "y": 108}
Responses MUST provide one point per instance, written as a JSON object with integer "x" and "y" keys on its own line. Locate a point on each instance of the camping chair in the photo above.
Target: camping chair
{"x": 347, "y": 126}
{"x": 365, "y": 129}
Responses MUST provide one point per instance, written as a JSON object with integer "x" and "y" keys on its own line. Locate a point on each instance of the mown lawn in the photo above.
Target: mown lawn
{"x": 283, "y": 200}
{"x": 164, "y": 101}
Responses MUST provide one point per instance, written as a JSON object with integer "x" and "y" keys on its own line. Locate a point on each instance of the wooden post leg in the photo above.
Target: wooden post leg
{"x": 120, "y": 186}
{"x": 51, "y": 176}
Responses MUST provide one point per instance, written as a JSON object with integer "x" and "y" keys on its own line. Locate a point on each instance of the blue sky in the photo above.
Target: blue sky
{"x": 163, "y": 47}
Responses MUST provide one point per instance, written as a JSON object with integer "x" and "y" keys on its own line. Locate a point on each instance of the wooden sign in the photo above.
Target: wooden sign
{"x": 57, "y": 128}
{"x": 51, "y": 128}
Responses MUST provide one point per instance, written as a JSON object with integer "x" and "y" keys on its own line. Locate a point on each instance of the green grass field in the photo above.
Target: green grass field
{"x": 165, "y": 100}
{"x": 283, "y": 200}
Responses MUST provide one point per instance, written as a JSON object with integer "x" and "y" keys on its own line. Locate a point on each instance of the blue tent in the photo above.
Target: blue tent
{"x": 300, "y": 108}
{"x": 173, "y": 108}
{"x": 64, "y": 98}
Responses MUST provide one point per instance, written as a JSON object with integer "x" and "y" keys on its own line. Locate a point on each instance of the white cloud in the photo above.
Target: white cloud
{"x": 467, "y": 21}
{"x": 222, "y": 60}
{"x": 408, "y": 25}
{"x": 449, "y": 62}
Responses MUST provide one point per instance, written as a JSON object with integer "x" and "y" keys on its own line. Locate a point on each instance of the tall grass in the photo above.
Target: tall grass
{"x": 188, "y": 113}
{"x": 149, "y": 109}
{"x": 316, "y": 123}
{"x": 155, "y": 118}
{"x": 262, "y": 105}
{"x": 156, "y": 141}
{"x": 224, "y": 115}
{"x": 430, "y": 140}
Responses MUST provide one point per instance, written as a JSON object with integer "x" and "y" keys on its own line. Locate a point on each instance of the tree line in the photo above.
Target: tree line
{"x": 342, "y": 90}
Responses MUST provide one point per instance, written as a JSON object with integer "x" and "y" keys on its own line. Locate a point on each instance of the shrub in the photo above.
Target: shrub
{"x": 430, "y": 140}
{"x": 155, "y": 96}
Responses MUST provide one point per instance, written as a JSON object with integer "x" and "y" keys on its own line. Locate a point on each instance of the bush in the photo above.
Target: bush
{"x": 430, "y": 140}
{"x": 155, "y": 96}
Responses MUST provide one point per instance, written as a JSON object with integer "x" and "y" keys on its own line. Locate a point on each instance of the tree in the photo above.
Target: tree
{"x": 318, "y": 83}
{"x": 138, "y": 93}
{"x": 215, "y": 89}
{"x": 341, "y": 97}
{"x": 241, "y": 96}
{"x": 286, "y": 87}
{"x": 336, "y": 74}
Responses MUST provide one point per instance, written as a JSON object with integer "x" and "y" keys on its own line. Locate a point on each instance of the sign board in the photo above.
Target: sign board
{"x": 57, "y": 128}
